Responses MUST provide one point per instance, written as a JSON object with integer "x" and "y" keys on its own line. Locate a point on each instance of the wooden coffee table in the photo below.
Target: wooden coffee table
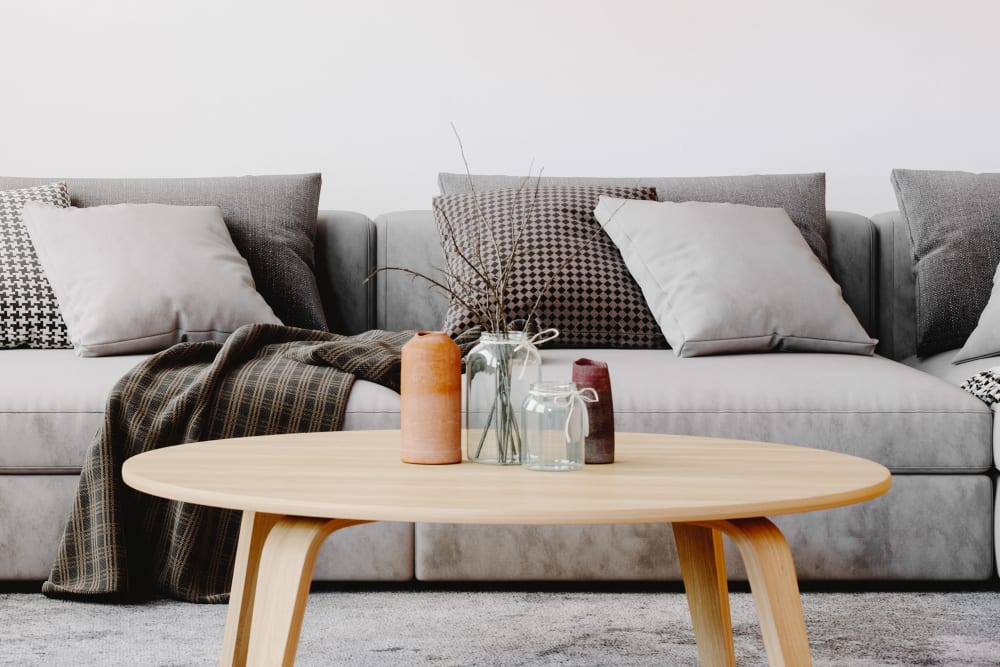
{"x": 294, "y": 490}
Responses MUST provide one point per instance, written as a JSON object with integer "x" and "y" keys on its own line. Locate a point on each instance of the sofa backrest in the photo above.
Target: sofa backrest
{"x": 343, "y": 243}
{"x": 271, "y": 219}
{"x": 854, "y": 265}
{"x": 897, "y": 288}
{"x": 409, "y": 239}
{"x": 349, "y": 247}
{"x": 345, "y": 256}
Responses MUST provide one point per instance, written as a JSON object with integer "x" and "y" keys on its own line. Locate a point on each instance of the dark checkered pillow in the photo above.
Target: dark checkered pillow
{"x": 29, "y": 312}
{"x": 593, "y": 301}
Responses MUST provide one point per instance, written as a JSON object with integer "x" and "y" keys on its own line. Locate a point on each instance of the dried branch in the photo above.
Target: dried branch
{"x": 471, "y": 283}
{"x": 434, "y": 283}
{"x": 480, "y": 216}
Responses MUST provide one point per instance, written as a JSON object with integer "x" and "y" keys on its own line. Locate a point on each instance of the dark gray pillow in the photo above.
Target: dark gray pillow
{"x": 594, "y": 302}
{"x": 954, "y": 222}
{"x": 803, "y": 196}
{"x": 272, "y": 221}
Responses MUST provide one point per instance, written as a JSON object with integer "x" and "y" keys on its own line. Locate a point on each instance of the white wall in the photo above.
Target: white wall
{"x": 364, "y": 91}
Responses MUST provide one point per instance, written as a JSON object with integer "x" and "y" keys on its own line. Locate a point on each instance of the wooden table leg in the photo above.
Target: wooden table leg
{"x": 775, "y": 588}
{"x": 274, "y": 566}
{"x": 703, "y": 568}
{"x": 253, "y": 531}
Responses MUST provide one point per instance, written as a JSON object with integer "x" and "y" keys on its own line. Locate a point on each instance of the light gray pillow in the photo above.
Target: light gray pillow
{"x": 134, "y": 278}
{"x": 729, "y": 278}
{"x": 984, "y": 341}
{"x": 803, "y": 196}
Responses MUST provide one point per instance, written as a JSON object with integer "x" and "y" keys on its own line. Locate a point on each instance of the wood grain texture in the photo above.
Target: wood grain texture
{"x": 284, "y": 575}
{"x": 358, "y": 475}
{"x": 703, "y": 568}
{"x": 254, "y": 529}
{"x": 775, "y": 589}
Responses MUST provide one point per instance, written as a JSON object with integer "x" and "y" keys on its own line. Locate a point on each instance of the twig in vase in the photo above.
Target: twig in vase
{"x": 492, "y": 292}
{"x": 486, "y": 426}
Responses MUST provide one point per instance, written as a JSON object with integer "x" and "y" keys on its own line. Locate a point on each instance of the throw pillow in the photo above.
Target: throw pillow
{"x": 592, "y": 301}
{"x": 134, "y": 278}
{"x": 29, "y": 312}
{"x": 984, "y": 341}
{"x": 803, "y": 196}
{"x": 954, "y": 223}
{"x": 272, "y": 221}
{"x": 729, "y": 278}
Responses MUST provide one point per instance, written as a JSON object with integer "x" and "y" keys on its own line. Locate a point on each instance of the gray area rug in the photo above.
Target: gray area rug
{"x": 506, "y": 628}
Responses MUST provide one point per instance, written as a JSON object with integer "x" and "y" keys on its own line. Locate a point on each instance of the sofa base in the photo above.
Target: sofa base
{"x": 34, "y": 508}
{"x": 928, "y": 527}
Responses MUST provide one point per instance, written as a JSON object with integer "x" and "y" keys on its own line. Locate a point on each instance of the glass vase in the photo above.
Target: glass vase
{"x": 499, "y": 371}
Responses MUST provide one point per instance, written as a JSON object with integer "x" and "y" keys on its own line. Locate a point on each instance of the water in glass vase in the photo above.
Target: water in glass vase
{"x": 499, "y": 371}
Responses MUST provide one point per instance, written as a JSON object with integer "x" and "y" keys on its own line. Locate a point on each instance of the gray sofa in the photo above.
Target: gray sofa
{"x": 937, "y": 522}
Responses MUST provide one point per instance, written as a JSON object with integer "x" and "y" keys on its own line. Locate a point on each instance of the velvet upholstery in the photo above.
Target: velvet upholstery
{"x": 897, "y": 319}
{"x": 883, "y": 539}
{"x": 35, "y": 508}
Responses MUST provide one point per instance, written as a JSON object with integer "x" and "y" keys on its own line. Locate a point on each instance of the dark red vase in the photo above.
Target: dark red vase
{"x": 600, "y": 442}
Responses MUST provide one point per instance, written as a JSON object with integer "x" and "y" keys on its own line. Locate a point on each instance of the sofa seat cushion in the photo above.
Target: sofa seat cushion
{"x": 51, "y": 404}
{"x": 940, "y": 365}
{"x": 872, "y": 407}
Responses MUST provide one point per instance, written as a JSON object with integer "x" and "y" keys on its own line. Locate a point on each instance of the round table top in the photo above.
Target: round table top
{"x": 359, "y": 475}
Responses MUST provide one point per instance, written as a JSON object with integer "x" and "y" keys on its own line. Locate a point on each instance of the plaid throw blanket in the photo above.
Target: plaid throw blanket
{"x": 265, "y": 379}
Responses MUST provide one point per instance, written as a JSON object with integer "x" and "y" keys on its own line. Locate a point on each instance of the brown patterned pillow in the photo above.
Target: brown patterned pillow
{"x": 593, "y": 301}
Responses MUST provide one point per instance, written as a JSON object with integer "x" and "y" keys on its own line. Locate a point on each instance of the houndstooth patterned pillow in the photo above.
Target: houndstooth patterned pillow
{"x": 29, "y": 312}
{"x": 593, "y": 301}
{"x": 985, "y": 386}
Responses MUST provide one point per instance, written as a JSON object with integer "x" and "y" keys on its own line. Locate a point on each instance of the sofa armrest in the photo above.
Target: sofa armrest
{"x": 345, "y": 255}
{"x": 408, "y": 239}
{"x": 897, "y": 287}
{"x": 854, "y": 265}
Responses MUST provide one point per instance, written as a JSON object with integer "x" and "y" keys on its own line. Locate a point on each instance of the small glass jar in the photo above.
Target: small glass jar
{"x": 554, "y": 417}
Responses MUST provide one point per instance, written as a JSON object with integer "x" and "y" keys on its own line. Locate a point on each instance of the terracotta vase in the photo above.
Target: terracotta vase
{"x": 431, "y": 399}
{"x": 600, "y": 442}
